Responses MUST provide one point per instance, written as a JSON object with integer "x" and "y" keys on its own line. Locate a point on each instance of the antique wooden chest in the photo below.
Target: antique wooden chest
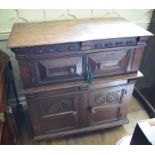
{"x": 78, "y": 75}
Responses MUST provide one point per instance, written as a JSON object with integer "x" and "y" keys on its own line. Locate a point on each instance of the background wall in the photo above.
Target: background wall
{"x": 9, "y": 17}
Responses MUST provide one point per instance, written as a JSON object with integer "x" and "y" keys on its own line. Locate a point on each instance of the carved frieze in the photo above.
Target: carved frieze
{"x": 58, "y": 106}
{"x": 107, "y": 98}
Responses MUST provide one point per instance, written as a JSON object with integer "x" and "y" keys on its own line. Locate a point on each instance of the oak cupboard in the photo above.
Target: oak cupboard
{"x": 78, "y": 75}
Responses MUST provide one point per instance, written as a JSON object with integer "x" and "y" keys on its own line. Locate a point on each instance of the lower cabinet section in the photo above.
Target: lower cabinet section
{"x": 54, "y": 114}
{"x": 69, "y": 112}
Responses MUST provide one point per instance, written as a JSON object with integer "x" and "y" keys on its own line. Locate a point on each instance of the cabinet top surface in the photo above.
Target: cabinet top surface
{"x": 53, "y": 32}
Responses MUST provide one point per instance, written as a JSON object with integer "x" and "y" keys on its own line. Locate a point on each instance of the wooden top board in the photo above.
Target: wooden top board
{"x": 53, "y": 32}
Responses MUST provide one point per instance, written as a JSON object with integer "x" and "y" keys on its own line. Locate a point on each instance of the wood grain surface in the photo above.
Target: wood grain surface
{"x": 52, "y": 32}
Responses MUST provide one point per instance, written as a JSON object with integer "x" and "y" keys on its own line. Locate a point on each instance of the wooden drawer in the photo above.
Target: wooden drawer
{"x": 48, "y": 49}
{"x": 110, "y": 43}
{"x": 37, "y": 72}
{"x": 104, "y": 63}
{"x": 43, "y": 70}
{"x": 61, "y": 69}
{"x": 54, "y": 114}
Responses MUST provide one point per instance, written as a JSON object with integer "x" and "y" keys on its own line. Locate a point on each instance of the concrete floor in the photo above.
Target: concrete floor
{"x": 102, "y": 137}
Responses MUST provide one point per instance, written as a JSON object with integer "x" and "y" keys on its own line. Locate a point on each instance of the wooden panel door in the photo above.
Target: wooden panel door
{"x": 54, "y": 114}
{"x": 105, "y": 104}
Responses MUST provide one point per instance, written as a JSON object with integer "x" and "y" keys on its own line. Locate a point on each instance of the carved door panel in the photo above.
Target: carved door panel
{"x": 109, "y": 63}
{"x": 54, "y": 114}
{"x": 51, "y": 70}
{"x": 104, "y": 105}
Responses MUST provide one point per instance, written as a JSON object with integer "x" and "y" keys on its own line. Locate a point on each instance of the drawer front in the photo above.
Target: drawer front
{"x": 54, "y": 114}
{"x": 59, "y": 68}
{"x": 53, "y": 70}
{"x": 115, "y": 62}
{"x": 105, "y": 105}
{"x": 48, "y": 49}
{"x": 108, "y": 62}
{"x": 110, "y": 43}
{"x": 37, "y": 70}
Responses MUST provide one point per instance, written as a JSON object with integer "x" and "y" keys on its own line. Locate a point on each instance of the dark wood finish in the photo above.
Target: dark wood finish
{"x": 40, "y": 69}
{"x": 55, "y": 113}
{"x": 78, "y": 75}
{"x": 51, "y": 70}
{"x": 31, "y": 34}
{"x": 8, "y": 129}
{"x": 106, "y": 105}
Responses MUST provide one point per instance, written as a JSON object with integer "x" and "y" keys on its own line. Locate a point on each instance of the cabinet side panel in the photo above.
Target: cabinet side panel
{"x": 137, "y": 59}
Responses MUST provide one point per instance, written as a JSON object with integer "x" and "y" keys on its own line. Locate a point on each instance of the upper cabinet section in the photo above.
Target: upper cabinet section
{"x": 56, "y": 32}
{"x": 61, "y": 51}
